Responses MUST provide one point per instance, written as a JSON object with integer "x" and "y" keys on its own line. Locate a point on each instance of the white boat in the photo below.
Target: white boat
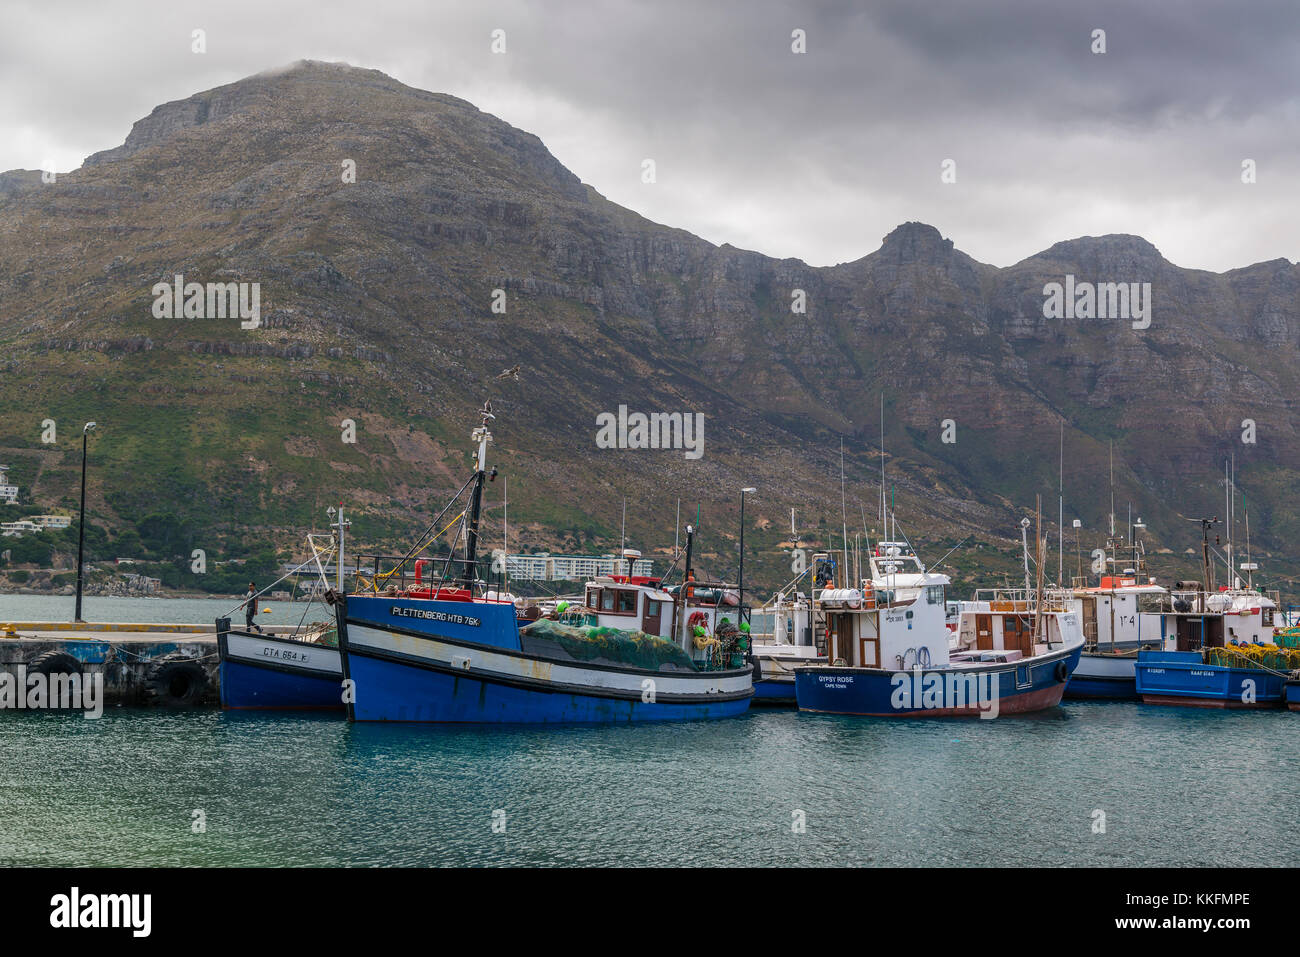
{"x": 892, "y": 653}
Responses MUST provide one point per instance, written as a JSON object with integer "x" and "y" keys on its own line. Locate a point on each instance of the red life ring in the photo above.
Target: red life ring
{"x": 697, "y": 618}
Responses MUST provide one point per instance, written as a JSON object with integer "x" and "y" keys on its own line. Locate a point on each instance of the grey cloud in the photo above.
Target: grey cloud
{"x": 814, "y": 156}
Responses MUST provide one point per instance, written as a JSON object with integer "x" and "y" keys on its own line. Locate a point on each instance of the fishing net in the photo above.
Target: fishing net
{"x": 610, "y": 645}
{"x": 1267, "y": 657}
{"x": 1288, "y": 637}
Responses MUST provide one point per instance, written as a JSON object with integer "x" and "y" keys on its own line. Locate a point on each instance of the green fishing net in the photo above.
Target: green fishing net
{"x": 634, "y": 648}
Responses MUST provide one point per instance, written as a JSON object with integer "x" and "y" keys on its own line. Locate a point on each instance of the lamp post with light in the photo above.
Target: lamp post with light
{"x": 81, "y": 525}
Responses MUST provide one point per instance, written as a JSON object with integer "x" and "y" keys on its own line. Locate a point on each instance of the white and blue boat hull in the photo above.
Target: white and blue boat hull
{"x": 1016, "y": 687}
{"x": 264, "y": 672}
{"x": 438, "y": 661}
{"x": 1104, "y": 677}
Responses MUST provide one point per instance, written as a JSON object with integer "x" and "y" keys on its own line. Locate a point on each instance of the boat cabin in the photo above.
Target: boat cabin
{"x": 895, "y": 620}
{"x": 630, "y": 603}
{"x": 1119, "y": 612}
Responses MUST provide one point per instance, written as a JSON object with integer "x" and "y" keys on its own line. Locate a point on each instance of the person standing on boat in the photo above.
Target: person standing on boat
{"x": 250, "y": 609}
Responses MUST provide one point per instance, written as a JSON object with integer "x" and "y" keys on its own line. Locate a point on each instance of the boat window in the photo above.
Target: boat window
{"x": 1010, "y": 623}
{"x": 652, "y": 609}
{"x": 1267, "y": 614}
{"x": 606, "y": 601}
{"x": 934, "y": 594}
{"x": 593, "y": 597}
{"x": 627, "y": 602}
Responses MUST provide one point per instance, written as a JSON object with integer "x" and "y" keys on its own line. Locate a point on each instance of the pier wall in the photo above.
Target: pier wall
{"x": 143, "y": 665}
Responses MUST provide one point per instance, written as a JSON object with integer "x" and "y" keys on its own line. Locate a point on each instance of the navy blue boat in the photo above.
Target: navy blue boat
{"x": 272, "y": 673}
{"x": 448, "y": 655}
{"x": 991, "y": 688}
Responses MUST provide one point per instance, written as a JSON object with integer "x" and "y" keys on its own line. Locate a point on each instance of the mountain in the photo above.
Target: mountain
{"x": 377, "y": 306}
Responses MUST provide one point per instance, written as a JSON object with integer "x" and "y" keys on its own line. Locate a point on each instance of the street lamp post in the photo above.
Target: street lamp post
{"x": 741, "y": 573}
{"x": 81, "y": 525}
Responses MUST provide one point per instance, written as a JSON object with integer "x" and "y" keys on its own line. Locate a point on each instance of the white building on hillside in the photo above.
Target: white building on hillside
{"x": 576, "y": 568}
{"x": 52, "y": 521}
{"x": 8, "y": 493}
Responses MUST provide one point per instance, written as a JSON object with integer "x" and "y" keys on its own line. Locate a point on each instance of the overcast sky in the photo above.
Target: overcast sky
{"x": 815, "y": 155}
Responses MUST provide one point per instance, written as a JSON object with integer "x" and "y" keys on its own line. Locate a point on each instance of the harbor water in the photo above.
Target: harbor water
{"x": 1088, "y": 783}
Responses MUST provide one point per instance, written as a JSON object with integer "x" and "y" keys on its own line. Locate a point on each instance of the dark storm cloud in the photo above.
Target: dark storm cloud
{"x": 815, "y": 155}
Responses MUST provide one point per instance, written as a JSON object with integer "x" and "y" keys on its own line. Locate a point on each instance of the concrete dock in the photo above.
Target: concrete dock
{"x": 145, "y": 664}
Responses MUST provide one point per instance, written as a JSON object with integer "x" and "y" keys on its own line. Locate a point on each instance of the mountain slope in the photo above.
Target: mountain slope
{"x": 377, "y": 306}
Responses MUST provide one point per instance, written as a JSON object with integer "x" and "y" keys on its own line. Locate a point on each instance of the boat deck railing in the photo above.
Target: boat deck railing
{"x": 377, "y": 574}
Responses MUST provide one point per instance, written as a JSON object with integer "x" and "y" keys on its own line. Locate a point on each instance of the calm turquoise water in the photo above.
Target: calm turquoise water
{"x": 174, "y": 610}
{"x": 1179, "y": 787}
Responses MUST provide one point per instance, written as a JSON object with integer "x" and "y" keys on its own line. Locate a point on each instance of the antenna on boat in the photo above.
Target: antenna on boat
{"x": 1207, "y": 569}
{"x": 622, "y": 544}
{"x": 1249, "y": 566}
{"x": 1112, "y": 488}
{"x": 1060, "y": 513}
{"x": 1024, "y": 542}
{"x": 844, "y": 515}
{"x": 882, "y": 514}
{"x": 1230, "y": 510}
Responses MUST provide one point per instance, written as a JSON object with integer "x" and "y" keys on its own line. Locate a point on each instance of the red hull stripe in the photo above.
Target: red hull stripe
{"x": 1048, "y": 697}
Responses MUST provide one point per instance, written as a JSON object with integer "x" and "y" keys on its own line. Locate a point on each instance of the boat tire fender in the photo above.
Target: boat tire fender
{"x": 54, "y": 663}
{"x": 1062, "y": 671}
{"x": 177, "y": 681}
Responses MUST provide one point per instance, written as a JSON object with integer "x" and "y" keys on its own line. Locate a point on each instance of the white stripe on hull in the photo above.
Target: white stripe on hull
{"x": 293, "y": 655}
{"x": 461, "y": 657}
{"x": 1105, "y": 666}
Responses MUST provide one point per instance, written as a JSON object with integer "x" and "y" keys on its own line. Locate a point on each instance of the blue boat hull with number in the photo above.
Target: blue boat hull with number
{"x": 455, "y": 661}
{"x": 1183, "y": 678}
{"x": 271, "y": 673}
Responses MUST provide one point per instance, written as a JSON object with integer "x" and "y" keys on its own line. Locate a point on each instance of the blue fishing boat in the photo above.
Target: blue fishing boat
{"x": 298, "y": 671}
{"x": 268, "y": 672}
{"x": 893, "y": 655}
{"x": 1203, "y": 679}
{"x": 1293, "y": 694}
{"x": 455, "y": 655}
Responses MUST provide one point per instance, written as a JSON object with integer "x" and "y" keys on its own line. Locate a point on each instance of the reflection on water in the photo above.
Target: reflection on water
{"x": 1175, "y": 786}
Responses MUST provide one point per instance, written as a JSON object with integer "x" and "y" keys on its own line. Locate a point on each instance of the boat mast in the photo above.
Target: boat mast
{"x": 482, "y": 436}
{"x": 1060, "y": 513}
{"x": 1040, "y": 554}
{"x": 688, "y": 585}
{"x": 338, "y": 566}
